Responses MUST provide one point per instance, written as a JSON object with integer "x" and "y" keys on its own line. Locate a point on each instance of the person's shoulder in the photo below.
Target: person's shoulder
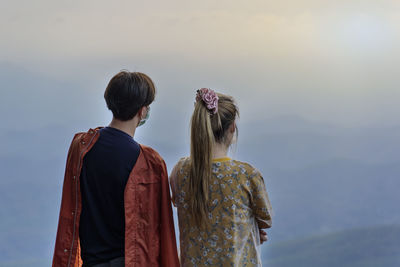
{"x": 183, "y": 161}
{"x": 247, "y": 168}
{"x": 151, "y": 154}
{"x": 243, "y": 164}
{"x": 83, "y": 138}
{"x": 181, "y": 165}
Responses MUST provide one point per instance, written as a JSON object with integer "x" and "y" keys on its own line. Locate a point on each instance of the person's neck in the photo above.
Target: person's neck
{"x": 128, "y": 127}
{"x": 220, "y": 150}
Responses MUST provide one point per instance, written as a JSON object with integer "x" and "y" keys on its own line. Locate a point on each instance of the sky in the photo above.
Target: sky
{"x": 327, "y": 61}
{"x": 316, "y": 82}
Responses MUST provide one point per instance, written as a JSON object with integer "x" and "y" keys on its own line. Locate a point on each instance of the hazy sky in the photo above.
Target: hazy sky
{"x": 333, "y": 61}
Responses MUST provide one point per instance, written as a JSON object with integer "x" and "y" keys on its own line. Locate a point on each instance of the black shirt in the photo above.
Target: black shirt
{"x": 105, "y": 172}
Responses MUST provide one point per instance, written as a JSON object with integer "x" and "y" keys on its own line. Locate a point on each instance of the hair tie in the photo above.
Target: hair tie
{"x": 210, "y": 99}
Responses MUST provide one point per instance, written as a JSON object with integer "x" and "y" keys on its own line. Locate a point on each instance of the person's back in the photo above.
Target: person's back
{"x": 232, "y": 235}
{"x": 105, "y": 172}
{"x": 222, "y": 203}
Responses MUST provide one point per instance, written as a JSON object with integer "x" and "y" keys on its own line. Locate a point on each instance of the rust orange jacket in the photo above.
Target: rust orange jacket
{"x": 149, "y": 228}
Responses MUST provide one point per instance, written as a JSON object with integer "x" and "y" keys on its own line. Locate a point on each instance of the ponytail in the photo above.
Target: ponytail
{"x": 202, "y": 139}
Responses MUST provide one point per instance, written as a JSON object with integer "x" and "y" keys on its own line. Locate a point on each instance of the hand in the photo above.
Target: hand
{"x": 263, "y": 236}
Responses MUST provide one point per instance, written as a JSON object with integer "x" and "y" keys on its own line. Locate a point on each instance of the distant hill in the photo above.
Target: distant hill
{"x": 361, "y": 247}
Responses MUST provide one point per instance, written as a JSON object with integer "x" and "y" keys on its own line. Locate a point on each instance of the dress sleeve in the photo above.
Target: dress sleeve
{"x": 168, "y": 250}
{"x": 260, "y": 201}
{"x": 173, "y": 181}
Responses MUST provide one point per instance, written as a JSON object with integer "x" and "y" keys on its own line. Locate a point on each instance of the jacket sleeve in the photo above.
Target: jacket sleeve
{"x": 65, "y": 224}
{"x": 169, "y": 254}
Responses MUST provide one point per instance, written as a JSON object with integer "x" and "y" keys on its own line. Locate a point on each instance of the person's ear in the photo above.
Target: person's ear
{"x": 141, "y": 112}
{"x": 232, "y": 128}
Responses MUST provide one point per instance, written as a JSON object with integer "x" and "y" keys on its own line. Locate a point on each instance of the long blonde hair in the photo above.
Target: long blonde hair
{"x": 206, "y": 128}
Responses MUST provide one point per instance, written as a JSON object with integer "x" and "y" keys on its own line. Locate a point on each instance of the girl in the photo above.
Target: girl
{"x": 222, "y": 203}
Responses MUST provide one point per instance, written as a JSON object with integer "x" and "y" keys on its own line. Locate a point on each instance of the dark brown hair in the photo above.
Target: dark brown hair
{"x": 206, "y": 128}
{"x": 127, "y": 92}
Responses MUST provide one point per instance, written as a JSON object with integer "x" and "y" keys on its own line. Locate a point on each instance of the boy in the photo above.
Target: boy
{"x": 115, "y": 208}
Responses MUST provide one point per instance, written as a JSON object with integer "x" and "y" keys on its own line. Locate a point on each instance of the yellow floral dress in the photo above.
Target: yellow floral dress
{"x": 239, "y": 207}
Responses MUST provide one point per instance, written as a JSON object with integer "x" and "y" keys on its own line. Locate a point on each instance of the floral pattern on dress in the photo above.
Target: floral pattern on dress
{"x": 238, "y": 208}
